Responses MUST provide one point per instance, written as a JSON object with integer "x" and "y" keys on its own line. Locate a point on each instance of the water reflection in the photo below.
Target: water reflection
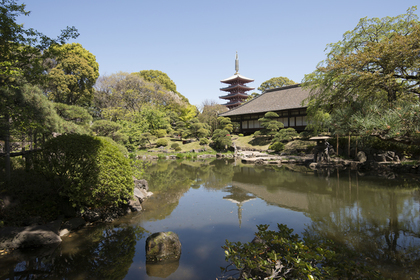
{"x": 239, "y": 197}
{"x": 104, "y": 252}
{"x": 379, "y": 218}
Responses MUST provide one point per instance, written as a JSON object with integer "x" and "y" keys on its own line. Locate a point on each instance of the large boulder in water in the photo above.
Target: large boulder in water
{"x": 163, "y": 246}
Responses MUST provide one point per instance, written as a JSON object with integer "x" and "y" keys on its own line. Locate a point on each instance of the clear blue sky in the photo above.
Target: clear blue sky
{"x": 195, "y": 41}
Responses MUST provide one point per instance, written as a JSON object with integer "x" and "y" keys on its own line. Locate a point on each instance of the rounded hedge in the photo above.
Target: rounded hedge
{"x": 89, "y": 171}
{"x": 162, "y": 142}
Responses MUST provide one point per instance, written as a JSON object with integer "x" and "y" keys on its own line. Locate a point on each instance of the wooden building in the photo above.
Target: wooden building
{"x": 237, "y": 89}
{"x": 285, "y": 101}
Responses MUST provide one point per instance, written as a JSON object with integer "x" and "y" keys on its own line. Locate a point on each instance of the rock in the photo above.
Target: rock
{"x": 64, "y": 232}
{"x": 134, "y": 204}
{"x": 91, "y": 215}
{"x": 141, "y": 184}
{"x": 361, "y": 156}
{"x": 313, "y": 165}
{"x": 162, "y": 246}
{"x": 27, "y": 237}
{"x": 73, "y": 224}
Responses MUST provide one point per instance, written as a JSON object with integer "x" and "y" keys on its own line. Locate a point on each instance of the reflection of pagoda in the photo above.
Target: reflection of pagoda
{"x": 237, "y": 88}
{"x": 239, "y": 197}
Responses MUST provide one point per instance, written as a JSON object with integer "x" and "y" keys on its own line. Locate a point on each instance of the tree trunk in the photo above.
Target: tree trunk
{"x": 7, "y": 147}
{"x": 348, "y": 148}
{"x": 336, "y": 152}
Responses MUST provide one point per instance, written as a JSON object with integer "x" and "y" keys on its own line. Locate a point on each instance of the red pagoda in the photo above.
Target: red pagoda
{"x": 237, "y": 88}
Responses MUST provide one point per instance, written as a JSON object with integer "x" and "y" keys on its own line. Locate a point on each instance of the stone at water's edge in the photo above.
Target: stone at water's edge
{"x": 162, "y": 246}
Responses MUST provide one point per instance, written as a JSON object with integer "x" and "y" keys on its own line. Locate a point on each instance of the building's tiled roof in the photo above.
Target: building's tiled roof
{"x": 288, "y": 97}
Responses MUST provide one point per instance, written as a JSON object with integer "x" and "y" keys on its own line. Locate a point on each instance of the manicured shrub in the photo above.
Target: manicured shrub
{"x": 204, "y": 141}
{"x": 174, "y": 145}
{"x": 240, "y": 135}
{"x": 221, "y": 139}
{"x": 178, "y": 149}
{"x": 162, "y": 142}
{"x": 160, "y": 133}
{"x": 277, "y": 146}
{"x": 89, "y": 171}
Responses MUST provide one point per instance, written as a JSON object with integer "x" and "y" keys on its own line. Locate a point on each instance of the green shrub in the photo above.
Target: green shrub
{"x": 221, "y": 139}
{"x": 295, "y": 258}
{"x": 178, "y": 149}
{"x": 179, "y": 156}
{"x": 257, "y": 133}
{"x": 240, "y": 135}
{"x": 89, "y": 171}
{"x": 174, "y": 145}
{"x": 162, "y": 142}
{"x": 204, "y": 141}
{"x": 277, "y": 146}
{"x": 160, "y": 133}
{"x": 285, "y": 135}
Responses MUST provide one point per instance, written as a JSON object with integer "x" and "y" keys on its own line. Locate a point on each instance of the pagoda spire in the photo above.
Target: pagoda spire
{"x": 237, "y": 64}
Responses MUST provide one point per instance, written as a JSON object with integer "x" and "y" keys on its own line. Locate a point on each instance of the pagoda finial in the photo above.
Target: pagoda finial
{"x": 237, "y": 64}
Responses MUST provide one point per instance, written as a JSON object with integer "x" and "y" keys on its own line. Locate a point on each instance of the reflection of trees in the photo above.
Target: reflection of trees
{"x": 375, "y": 217}
{"x": 104, "y": 253}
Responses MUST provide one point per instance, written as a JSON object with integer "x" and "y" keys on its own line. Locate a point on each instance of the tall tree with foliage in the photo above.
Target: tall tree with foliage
{"x": 209, "y": 112}
{"x": 21, "y": 57}
{"x": 377, "y": 63}
{"x": 276, "y": 82}
{"x": 21, "y": 49}
{"x": 163, "y": 79}
{"x": 73, "y": 74}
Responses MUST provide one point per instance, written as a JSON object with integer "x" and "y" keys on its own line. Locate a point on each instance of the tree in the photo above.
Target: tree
{"x": 72, "y": 75}
{"x": 130, "y": 92}
{"x": 378, "y": 60}
{"x": 209, "y": 111}
{"x": 276, "y": 82}
{"x": 376, "y": 64}
{"x": 225, "y": 124}
{"x": 20, "y": 48}
{"x": 197, "y": 129}
{"x": 221, "y": 139}
{"x": 285, "y": 135}
{"x": 270, "y": 124}
{"x": 21, "y": 61}
{"x": 162, "y": 79}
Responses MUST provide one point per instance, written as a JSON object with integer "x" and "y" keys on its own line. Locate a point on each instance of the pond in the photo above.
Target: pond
{"x": 207, "y": 202}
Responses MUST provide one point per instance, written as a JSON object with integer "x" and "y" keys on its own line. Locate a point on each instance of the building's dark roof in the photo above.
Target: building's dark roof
{"x": 288, "y": 97}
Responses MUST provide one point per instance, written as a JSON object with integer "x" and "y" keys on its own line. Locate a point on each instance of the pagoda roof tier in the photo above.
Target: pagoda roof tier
{"x": 237, "y": 87}
{"x": 235, "y": 103}
{"x": 235, "y": 77}
{"x": 230, "y": 96}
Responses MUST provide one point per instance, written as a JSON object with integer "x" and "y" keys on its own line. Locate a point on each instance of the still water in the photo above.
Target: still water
{"x": 207, "y": 202}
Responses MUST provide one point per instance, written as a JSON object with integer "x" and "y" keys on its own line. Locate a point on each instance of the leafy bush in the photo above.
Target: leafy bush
{"x": 277, "y": 146}
{"x": 178, "y": 149}
{"x": 174, "y": 145}
{"x": 240, "y": 135}
{"x": 283, "y": 255}
{"x": 285, "y": 135}
{"x": 89, "y": 171}
{"x": 162, "y": 142}
{"x": 160, "y": 133}
{"x": 204, "y": 141}
{"x": 257, "y": 133}
{"x": 221, "y": 139}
